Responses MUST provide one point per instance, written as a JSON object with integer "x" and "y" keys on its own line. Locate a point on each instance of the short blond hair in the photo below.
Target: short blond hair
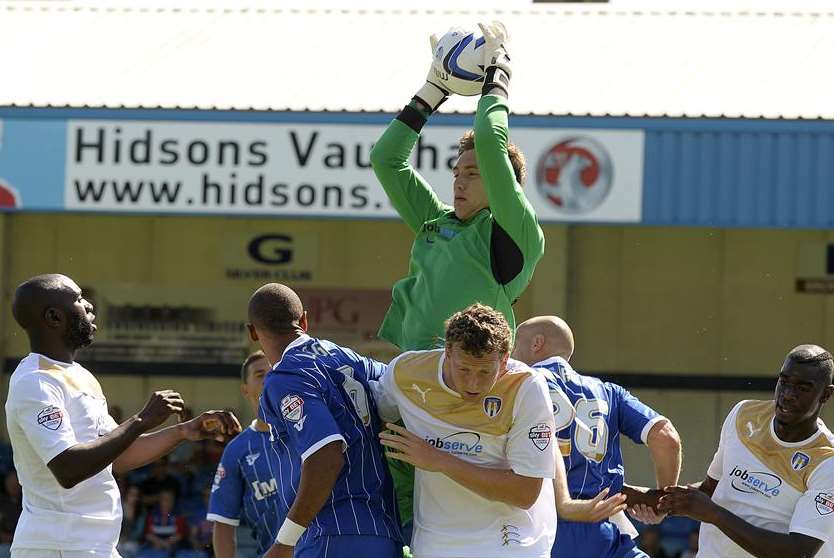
{"x": 479, "y": 330}
{"x": 467, "y": 142}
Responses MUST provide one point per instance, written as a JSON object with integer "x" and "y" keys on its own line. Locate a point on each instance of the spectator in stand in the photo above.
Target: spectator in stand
{"x": 165, "y": 531}
{"x": 201, "y": 530}
{"x": 202, "y": 467}
{"x": 192, "y": 473}
{"x": 650, "y": 543}
{"x": 213, "y": 452}
{"x": 182, "y": 455}
{"x": 10, "y": 507}
{"x": 692, "y": 550}
{"x": 6, "y": 461}
{"x": 160, "y": 479}
{"x": 133, "y": 522}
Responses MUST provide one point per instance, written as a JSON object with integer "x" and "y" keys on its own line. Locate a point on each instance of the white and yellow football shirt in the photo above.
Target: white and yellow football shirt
{"x": 510, "y": 428}
{"x": 53, "y": 406}
{"x": 779, "y": 486}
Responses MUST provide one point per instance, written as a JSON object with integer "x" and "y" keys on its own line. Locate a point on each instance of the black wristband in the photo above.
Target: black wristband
{"x": 412, "y": 118}
{"x": 496, "y": 82}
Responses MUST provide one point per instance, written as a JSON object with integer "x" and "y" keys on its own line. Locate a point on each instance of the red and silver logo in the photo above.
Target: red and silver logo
{"x": 575, "y": 175}
{"x": 9, "y": 197}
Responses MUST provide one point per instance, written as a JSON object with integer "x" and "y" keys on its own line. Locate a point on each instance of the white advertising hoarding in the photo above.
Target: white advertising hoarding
{"x": 316, "y": 168}
{"x": 323, "y": 170}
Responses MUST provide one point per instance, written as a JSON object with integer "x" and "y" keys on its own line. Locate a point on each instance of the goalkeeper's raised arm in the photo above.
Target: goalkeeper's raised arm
{"x": 517, "y": 241}
{"x": 485, "y": 246}
{"x": 409, "y": 193}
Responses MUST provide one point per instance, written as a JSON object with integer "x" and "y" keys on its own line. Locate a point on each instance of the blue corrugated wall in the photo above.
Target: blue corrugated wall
{"x": 739, "y": 178}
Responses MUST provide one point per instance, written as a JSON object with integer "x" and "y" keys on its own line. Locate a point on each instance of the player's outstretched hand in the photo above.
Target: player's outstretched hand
{"x": 646, "y": 514}
{"x": 410, "y": 448}
{"x": 432, "y": 94}
{"x": 641, "y": 495}
{"x": 219, "y": 425}
{"x": 687, "y": 501}
{"x": 600, "y": 508}
{"x": 495, "y": 46}
{"x": 160, "y": 406}
{"x": 597, "y": 509}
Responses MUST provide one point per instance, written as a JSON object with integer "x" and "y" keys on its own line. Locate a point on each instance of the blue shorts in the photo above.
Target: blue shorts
{"x": 350, "y": 546}
{"x": 593, "y": 540}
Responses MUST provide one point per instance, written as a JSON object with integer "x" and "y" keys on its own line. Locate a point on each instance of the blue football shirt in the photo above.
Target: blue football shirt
{"x": 247, "y": 485}
{"x": 317, "y": 394}
{"x": 590, "y": 438}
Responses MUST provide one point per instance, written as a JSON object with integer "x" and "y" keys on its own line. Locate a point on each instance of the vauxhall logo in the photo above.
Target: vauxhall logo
{"x": 755, "y": 482}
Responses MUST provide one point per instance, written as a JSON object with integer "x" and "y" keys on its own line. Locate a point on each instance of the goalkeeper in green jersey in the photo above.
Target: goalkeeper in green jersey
{"x": 485, "y": 247}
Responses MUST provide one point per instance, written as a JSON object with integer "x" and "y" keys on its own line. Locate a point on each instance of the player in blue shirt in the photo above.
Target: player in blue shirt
{"x": 592, "y": 420}
{"x": 246, "y": 483}
{"x": 317, "y": 396}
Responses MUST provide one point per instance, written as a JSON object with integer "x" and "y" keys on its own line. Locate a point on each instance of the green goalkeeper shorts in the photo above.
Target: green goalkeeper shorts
{"x": 403, "y": 475}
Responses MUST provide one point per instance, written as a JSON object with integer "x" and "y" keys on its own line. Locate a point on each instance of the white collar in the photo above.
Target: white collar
{"x": 547, "y": 361}
{"x": 254, "y": 427}
{"x": 440, "y": 379}
{"x": 59, "y": 362}
{"x": 783, "y": 443}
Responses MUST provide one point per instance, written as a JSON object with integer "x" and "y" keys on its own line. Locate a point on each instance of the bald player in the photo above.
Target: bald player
{"x": 596, "y": 414}
{"x": 65, "y": 444}
{"x": 317, "y": 401}
{"x": 769, "y": 491}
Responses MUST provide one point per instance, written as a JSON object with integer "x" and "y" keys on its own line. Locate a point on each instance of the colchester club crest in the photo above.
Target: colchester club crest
{"x": 492, "y": 406}
{"x": 799, "y": 461}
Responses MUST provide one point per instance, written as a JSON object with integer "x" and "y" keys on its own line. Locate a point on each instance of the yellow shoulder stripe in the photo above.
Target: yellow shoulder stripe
{"x": 417, "y": 377}
{"x": 793, "y": 464}
{"x": 80, "y": 382}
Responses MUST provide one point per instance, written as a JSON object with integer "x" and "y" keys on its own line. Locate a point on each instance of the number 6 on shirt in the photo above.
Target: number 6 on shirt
{"x": 591, "y": 433}
{"x": 357, "y": 394}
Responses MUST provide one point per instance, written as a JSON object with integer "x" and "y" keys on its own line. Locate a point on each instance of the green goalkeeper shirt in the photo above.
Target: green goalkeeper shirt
{"x": 489, "y": 258}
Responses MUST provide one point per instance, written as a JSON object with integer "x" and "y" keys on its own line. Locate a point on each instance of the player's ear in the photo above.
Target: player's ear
{"x": 826, "y": 394}
{"x": 243, "y": 391}
{"x": 302, "y": 322}
{"x": 253, "y": 334}
{"x": 538, "y": 342}
{"x": 53, "y": 317}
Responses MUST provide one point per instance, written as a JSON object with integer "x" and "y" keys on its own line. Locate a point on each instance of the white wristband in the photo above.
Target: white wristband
{"x": 432, "y": 95}
{"x": 289, "y": 533}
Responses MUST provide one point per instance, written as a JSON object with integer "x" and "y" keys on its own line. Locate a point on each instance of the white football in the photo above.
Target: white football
{"x": 458, "y": 61}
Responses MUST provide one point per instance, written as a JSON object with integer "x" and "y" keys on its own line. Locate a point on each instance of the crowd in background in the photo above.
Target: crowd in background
{"x": 164, "y": 509}
{"x": 164, "y": 504}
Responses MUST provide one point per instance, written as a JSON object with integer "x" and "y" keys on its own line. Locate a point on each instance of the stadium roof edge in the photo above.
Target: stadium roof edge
{"x": 568, "y": 61}
{"x": 568, "y": 10}
{"x": 391, "y": 112}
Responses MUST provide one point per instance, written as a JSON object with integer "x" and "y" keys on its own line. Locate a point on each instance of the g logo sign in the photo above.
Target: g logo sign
{"x": 271, "y": 249}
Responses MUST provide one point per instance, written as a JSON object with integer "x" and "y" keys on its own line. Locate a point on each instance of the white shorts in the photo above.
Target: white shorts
{"x": 38, "y": 553}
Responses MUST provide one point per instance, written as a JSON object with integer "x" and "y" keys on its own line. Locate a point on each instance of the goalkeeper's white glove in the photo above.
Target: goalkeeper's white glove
{"x": 496, "y": 60}
{"x": 432, "y": 94}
